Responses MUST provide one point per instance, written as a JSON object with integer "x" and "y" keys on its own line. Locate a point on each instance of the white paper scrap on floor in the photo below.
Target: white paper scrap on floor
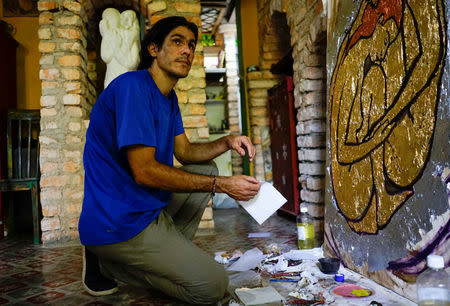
{"x": 310, "y": 284}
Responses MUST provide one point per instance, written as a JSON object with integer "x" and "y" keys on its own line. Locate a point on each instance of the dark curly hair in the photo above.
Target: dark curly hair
{"x": 158, "y": 33}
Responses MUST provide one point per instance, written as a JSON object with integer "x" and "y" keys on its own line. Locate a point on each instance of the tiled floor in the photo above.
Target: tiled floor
{"x": 37, "y": 275}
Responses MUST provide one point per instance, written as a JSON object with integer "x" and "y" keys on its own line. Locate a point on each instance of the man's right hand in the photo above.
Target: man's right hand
{"x": 239, "y": 187}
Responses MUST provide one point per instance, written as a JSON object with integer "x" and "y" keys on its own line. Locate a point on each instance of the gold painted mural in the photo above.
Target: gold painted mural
{"x": 383, "y": 101}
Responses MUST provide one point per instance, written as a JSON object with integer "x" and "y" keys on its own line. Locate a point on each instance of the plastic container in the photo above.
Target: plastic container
{"x": 339, "y": 277}
{"x": 433, "y": 285}
{"x": 329, "y": 265}
{"x": 305, "y": 229}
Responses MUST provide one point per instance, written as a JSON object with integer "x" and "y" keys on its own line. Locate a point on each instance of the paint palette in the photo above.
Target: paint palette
{"x": 352, "y": 291}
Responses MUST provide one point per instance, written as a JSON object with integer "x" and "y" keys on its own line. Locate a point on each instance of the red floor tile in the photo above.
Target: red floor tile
{"x": 59, "y": 282}
{"x": 45, "y": 297}
{"x": 11, "y": 286}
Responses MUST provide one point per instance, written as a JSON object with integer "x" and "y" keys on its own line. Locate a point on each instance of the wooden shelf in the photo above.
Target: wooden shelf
{"x": 217, "y": 132}
{"x": 214, "y": 101}
{"x": 215, "y": 70}
{"x": 212, "y": 49}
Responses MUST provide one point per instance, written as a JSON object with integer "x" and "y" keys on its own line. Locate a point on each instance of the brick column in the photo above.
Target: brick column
{"x": 258, "y": 82}
{"x": 308, "y": 36}
{"x": 67, "y": 97}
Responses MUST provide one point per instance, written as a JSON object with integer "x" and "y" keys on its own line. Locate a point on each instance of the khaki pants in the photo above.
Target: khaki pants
{"x": 163, "y": 256}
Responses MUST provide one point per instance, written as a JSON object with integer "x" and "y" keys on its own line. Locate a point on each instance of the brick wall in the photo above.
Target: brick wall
{"x": 307, "y": 26}
{"x": 258, "y": 82}
{"x": 68, "y": 76}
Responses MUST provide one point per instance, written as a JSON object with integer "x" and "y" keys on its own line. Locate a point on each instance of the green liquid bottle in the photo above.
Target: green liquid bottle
{"x": 305, "y": 230}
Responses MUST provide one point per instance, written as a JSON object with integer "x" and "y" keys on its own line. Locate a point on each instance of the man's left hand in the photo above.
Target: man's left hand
{"x": 241, "y": 143}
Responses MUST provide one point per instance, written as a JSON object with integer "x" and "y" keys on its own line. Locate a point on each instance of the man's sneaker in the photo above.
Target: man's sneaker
{"x": 93, "y": 280}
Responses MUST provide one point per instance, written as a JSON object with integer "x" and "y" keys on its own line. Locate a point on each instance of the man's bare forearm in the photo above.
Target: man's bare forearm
{"x": 202, "y": 152}
{"x": 163, "y": 177}
{"x": 149, "y": 172}
{"x": 168, "y": 178}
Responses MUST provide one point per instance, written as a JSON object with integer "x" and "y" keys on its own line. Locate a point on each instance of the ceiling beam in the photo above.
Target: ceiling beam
{"x": 217, "y": 1}
{"x": 230, "y": 9}
{"x": 212, "y": 3}
{"x": 217, "y": 6}
{"x": 218, "y": 21}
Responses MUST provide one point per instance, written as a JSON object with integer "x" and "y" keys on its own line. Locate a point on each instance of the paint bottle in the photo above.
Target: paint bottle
{"x": 433, "y": 285}
{"x": 305, "y": 229}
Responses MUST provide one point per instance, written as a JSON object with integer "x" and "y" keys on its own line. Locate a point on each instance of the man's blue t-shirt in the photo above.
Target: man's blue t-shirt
{"x": 130, "y": 111}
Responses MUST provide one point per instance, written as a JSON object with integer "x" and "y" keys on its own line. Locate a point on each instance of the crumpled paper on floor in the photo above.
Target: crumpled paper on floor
{"x": 312, "y": 254}
{"x": 225, "y": 257}
{"x": 249, "y": 260}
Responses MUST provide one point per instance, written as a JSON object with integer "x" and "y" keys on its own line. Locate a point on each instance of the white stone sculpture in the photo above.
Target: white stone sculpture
{"x": 120, "y": 42}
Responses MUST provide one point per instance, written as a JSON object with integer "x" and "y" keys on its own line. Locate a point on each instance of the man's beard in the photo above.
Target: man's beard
{"x": 178, "y": 75}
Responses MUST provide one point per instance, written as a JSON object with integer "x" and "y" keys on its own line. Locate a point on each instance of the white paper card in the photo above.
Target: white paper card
{"x": 258, "y": 235}
{"x": 264, "y": 204}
